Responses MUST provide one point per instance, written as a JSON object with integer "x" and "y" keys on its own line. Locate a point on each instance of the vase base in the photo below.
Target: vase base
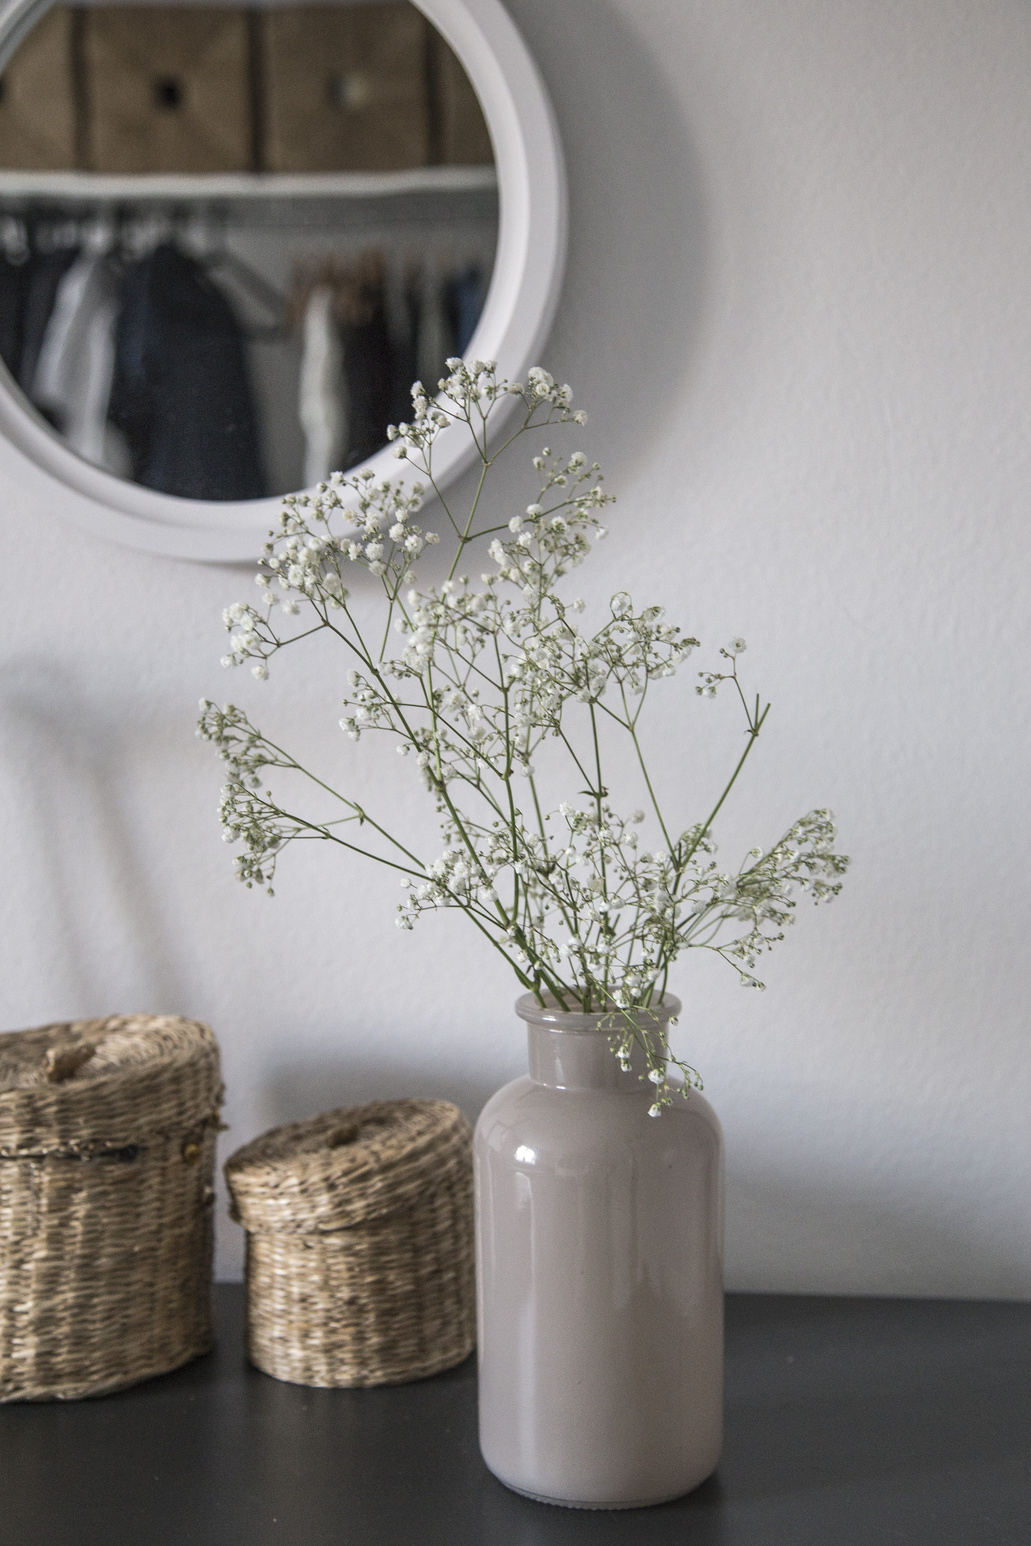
{"x": 540, "y": 1497}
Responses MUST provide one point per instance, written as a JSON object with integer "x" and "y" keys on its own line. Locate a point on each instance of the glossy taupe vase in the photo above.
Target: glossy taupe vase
{"x": 599, "y": 1276}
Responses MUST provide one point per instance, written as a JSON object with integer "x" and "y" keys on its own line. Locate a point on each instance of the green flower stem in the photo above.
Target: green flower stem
{"x": 361, "y": 815}
{"x": 753, "y": 736}
{"x": 651, "y": 792}
{"x": 463, "y": 536}
{"x": 316, "y": 830}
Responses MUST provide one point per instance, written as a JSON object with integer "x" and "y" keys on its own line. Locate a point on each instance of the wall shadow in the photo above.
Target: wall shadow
{"x": 632, "y": 304}
{"x": 294, "y": 1091}
{"x": 801, "y": 1234}
{"x": 66, "y": 759}
{"x": 793, "y": 1234}
{"x": 636, "y": 280}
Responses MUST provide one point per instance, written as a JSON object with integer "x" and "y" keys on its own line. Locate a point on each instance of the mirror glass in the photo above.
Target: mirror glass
{"x": 231, "y": 237}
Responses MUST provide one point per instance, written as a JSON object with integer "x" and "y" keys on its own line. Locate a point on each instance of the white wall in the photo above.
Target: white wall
{"x": 798, "y": 311}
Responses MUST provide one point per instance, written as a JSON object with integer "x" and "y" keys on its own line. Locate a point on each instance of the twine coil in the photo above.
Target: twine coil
{"x": 359, "y": 1244}
{"x": 107, "y": 1156}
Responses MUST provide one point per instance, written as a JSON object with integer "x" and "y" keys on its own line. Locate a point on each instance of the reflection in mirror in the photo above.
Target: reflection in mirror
{"x": 231, "y": 238}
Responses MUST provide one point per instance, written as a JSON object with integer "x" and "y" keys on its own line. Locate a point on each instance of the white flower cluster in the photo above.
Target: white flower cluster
{"x": 710, "y": 680}
{"x": 306, "y": 560}
{"x": 603, "y": 912}
{"x": 244, "y": 813}
{"x": 471, "y": 679}
{"x": 467, "y": 394}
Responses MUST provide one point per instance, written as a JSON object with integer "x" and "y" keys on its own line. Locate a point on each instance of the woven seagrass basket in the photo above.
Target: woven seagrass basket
{"x": 359, "y": 1244}
{"x": 107, "y": 1154}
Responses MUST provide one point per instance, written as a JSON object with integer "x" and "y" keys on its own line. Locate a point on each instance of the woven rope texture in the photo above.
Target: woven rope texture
{"x": 359, "y": 1244}
{"x": 107, "y": 1156}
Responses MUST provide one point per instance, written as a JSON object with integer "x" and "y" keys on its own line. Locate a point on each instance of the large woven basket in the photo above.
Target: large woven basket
{"x": 107, "y": 1153}
{"x": 359, "y": 1244}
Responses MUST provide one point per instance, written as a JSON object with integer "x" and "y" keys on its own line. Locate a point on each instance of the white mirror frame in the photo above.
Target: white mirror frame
{"x": 41, "y": 473}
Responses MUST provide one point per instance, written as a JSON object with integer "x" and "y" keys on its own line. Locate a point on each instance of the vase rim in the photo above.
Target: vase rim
{"x": 550, "y": 1017}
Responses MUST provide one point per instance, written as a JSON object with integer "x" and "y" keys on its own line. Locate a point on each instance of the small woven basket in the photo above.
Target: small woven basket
{"x": 107, "y": 1155}
{"x": 359, "y": 1244}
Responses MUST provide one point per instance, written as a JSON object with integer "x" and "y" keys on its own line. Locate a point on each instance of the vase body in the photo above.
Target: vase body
{"x": 599, "y": 1276}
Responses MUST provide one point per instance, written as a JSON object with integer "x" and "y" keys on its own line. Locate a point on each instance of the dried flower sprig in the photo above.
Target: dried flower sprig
{"x": 474, "y": 681}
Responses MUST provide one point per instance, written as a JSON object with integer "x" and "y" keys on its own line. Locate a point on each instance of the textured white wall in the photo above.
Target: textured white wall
{"x": 798, "y": 311}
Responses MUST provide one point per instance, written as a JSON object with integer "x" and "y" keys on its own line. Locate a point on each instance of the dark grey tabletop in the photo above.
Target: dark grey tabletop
{"x": 850, "y": 1422}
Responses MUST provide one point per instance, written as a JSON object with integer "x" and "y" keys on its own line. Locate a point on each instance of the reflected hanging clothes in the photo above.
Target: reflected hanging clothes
{"x": 72, "y": 383}
{"x": 368, "y": 370}
{"x": 28, "y": 287}
{"x": 464, "y": 300}
{"x": 434, "y": 340}
{"x": 45, "y": 273}
{"x": 347, "y": 368}
{"x": 181, "y": 392}
{"x": 14, "y": 277}
{"x": 322, "y": 409}
{"x": 401, "y": 301}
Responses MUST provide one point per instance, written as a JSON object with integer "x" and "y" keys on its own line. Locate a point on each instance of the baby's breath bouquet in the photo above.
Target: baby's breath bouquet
{"x": 503, "y": 702}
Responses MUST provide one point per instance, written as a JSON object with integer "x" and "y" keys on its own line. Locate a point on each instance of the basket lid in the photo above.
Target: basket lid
{"x": 346, "y": 1166}
{"x": 77, "y": 1086}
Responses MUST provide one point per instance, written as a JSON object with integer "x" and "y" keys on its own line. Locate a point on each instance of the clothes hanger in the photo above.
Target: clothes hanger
{"x": 209, "y": 246}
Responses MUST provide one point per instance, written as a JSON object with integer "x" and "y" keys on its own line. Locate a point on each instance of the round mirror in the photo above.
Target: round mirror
{"x": 232, "y": 236}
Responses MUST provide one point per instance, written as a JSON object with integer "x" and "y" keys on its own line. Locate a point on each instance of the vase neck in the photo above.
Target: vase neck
{"x": 576, "y": 1060}
{"x": 573, "y": 1051}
